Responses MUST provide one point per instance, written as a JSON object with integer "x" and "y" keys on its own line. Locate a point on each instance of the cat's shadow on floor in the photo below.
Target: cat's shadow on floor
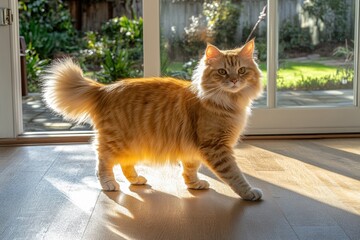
{"x": 147, "y": 213}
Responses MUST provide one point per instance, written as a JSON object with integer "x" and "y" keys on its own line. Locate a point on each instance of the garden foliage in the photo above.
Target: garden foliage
{"x": 116, "y": 50}
{"x": 112, "y": 53}
{"x": 48, "y": 26}
{"x": 331, "y": 14}
{"x": 48, "y": 31}
{"x": 295, "y": 38}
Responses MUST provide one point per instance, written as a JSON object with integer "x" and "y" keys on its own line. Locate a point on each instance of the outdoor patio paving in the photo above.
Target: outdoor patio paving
{"x": 325, "y": 98}
{"x": 38, "y": 118}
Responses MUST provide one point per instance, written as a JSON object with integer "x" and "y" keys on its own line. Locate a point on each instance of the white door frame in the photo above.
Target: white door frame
{"x": 10, "y": 92}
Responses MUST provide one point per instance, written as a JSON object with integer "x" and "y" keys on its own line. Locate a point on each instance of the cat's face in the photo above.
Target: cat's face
{"x": 230, "y": 71}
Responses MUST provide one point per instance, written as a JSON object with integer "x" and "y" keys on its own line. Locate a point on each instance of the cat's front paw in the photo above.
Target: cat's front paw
{"x": 139, "y": 180}
{"x": 198, "y": 185}
{"x": 110, "y": 185}
{"x": 254, "y": 194}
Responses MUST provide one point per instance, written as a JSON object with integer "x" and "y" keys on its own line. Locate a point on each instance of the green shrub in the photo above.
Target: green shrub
{"x": 116, "y": 51}
{"x": 346, "y": 52}
{"x": 293, "y": 37}
{"x": 185, "y": 71}
{"x": 91, "y": 54}
{"x": 188, "y": 67}
{"x": 125, "y": 33}
{"x": 261, "y": 49}
{"x": 331, "y": 14}
{"x": 35, "y": 66}
{"x": 222, "y": 18}
{"x": 116, "y": 64}
{"x": 48, "y": 31}
{"x": 47, "y": 26}
{"x": 129, "y": 31}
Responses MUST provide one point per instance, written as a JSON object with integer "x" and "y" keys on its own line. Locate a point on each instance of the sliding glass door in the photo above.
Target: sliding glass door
{"x": 313, "y": 69}
{"x": 308, "y": 52}
{"x": 310, "y": 64}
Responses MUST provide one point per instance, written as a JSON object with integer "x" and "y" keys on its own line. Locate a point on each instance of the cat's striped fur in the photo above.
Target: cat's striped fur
{"x": 160, "y": 120}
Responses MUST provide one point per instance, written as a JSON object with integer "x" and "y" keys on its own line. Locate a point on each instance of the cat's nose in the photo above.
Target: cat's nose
{"x": 233, "y": 80}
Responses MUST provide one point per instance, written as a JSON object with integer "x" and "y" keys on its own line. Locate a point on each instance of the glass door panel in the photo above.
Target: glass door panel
{"x": 315, "y": 54}
{"x": 105, "y": 38}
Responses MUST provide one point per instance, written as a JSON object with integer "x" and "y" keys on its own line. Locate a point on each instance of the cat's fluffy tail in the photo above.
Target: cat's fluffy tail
{"x": 68, "y": 92}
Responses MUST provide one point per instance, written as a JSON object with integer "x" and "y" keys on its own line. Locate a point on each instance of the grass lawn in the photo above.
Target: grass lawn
{"x": 292, "y": 75}
{"x": 309, "y": 75}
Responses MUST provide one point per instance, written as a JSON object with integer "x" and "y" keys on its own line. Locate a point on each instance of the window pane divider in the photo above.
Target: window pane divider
{"x": 151, "y": 38}
{"x": 356, "y": 80}
{"x": 272, "y": 49}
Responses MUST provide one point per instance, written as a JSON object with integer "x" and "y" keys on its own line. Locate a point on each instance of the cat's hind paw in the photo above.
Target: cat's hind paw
{"x": 198, "y": 185}
{"x": 110, "y": 185}
{"x": 139, "y": 180}
{"x": 254, "y": 194}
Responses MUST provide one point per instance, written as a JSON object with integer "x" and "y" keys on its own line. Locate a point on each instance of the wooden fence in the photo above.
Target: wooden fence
{"x": 89, "y": 15}
{"x": 177, "y": 14}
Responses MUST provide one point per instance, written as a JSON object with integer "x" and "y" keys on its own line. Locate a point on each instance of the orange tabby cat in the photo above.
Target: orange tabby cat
{"x": 160, "y": 120}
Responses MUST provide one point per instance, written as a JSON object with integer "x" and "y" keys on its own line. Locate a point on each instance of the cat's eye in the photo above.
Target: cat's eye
{"x": 242, "y": 70}
{"x": 222, "y": 71}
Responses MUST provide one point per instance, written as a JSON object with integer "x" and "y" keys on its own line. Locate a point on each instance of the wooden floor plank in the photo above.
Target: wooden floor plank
{"x": 311, "y": 191}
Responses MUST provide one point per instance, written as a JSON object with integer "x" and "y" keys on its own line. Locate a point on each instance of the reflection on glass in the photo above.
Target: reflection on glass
{"x": 316, "y": 65}
{"x": 186, "y": 27}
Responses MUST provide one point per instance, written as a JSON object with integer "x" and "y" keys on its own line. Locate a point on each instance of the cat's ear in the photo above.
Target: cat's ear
{"x": 248, "y": 49}
{"x": 212, "y": 52}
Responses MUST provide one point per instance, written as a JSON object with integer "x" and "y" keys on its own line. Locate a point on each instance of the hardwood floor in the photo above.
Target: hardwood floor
{"x": 311, "y": 191}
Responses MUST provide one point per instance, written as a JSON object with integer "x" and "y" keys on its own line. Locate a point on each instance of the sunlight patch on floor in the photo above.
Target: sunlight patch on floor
{"x": 83, "y": 195}
{"x": 303, "y": 178}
